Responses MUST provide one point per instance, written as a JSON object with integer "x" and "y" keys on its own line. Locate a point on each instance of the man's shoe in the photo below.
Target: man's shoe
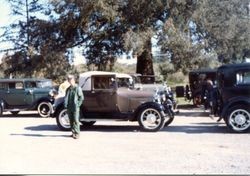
{"x": 76, "y": 136}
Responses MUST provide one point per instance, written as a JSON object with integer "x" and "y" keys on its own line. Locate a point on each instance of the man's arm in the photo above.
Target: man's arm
{"x": 80, "y": 96}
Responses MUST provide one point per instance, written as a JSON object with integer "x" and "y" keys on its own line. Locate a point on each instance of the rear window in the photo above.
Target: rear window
{"x": 3, "y": 86}
{"x": 243, "y": 77}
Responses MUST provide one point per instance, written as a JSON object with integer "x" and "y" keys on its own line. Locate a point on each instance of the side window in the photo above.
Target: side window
{"x": 17, "y": 85}
{"x": 3, "y": 86}
{"x": 243, "y": 77}
{"x": 30, "y": 84}
{"x": 102, "y": 82}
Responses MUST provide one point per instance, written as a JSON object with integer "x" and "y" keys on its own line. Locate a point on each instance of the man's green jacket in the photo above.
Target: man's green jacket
{"x": 73, "y": 98}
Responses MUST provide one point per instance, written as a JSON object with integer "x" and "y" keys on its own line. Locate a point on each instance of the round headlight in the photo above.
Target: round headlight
{"x": 163, "y": 96}
{"x": 51, "y": 93}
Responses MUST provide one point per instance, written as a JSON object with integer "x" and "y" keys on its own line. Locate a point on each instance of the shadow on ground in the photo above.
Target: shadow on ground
{"x": 33, "y": 115}
{"x": 195, "y": 128}
{"x": 43, "y": 128}
{"x": 38, "y": 135}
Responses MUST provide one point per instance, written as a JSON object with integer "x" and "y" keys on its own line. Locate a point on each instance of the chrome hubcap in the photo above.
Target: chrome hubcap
{"x": 240, "y": 119}
{"x": 150, "y": 118}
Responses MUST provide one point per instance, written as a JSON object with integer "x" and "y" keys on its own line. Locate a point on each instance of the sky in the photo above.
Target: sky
{"x": 5, "y": 18}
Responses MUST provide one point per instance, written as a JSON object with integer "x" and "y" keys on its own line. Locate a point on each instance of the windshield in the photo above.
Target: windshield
{"x": 44, "y": 84}
{"x": 124, "y": 82}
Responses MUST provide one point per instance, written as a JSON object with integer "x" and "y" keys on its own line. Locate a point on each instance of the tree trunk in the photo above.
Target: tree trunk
{"x": 145, "y": 64}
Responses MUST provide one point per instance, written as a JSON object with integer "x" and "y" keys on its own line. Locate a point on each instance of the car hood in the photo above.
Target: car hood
{"x": 132, "y": 93}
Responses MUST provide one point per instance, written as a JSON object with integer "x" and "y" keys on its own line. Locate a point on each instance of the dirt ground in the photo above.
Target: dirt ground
{"x": 192, "y": 144}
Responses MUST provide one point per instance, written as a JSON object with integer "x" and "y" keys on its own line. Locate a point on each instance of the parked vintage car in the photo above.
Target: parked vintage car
{"x": 234, "y": 96}
{"x": 105, "y": 99}
{"x": 26, "y": 94}
{"x": 197, "y": 78}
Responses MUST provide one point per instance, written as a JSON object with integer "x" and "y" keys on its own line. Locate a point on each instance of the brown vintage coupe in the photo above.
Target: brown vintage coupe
{"x": 112, "y": 96}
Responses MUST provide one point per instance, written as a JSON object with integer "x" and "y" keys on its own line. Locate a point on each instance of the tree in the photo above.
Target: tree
{"x": 175, "y": 39}
{"x": 19, "y": 32}
{"x": 143, "y": 19}
{"x": 32, "y": 36}
{"x": 225, "y": 25}
{"x": 103, "y": 28}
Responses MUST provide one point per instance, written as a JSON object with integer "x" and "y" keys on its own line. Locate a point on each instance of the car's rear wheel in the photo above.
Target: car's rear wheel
{"x": 150, "y": 119}
{"x": 238, "y": 118}
{"x": 44, "y": 109}
{"x": 1, "y": 111}
{"x": 14, "y": 112}
{"x": 62, "y": 119}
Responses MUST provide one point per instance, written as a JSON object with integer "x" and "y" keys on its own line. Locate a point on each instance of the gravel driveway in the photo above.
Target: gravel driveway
{"x": 192, "y": 144}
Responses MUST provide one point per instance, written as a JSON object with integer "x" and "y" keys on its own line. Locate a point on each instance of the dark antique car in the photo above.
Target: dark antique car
{"x": 197, "y": 79}
{"x": 26, "y": 94}
{"x": 105, "y": 98}
{"x": 234, "y": 96}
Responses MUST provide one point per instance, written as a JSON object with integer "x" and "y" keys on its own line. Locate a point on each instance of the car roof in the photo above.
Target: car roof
{"x": 96, "y": 73}
{"x": 205, "y": 70}
{"x": 244, "y": 65}
{"x": 23, "y": 79}
{"x": 85, "y": 82}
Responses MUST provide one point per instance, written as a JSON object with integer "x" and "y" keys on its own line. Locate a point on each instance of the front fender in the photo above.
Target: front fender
{"x": 155, "y": 105}
{"x": 2, "y": 104}
{"x": 58, "y": 104}
{"x": 43, "y": 99}
{"x": 241, "y": 100}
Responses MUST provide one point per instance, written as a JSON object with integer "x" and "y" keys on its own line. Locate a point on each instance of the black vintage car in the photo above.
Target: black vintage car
{"x": 234, "y": 96}
{"x": 197, "y": 79}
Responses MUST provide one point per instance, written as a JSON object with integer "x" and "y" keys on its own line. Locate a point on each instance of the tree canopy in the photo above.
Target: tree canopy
{"x": 190, "y": 33}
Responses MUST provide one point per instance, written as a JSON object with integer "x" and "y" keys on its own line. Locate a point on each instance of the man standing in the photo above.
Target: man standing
{"x": 72, "y": 102}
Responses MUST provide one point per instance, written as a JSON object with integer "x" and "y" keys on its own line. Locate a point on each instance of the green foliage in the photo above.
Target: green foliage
{"x": 225, "y": 24}
{"x": 192, "y": 34}
{"x": 52, "y": 65}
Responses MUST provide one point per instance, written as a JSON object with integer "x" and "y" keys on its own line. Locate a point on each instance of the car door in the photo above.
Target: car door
{"x": 30, "y": 91}
{"x": 3, "y": 90}
{"x": 15, "y": 95}
{"x": 102, "y": 96}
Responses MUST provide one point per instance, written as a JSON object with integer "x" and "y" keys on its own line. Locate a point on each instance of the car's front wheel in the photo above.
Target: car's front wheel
{"x": 62, "y": 119}
{"x": 150, "y": 119}
{"x": 44, "y": 109}
{"x": 238, "y": 118}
